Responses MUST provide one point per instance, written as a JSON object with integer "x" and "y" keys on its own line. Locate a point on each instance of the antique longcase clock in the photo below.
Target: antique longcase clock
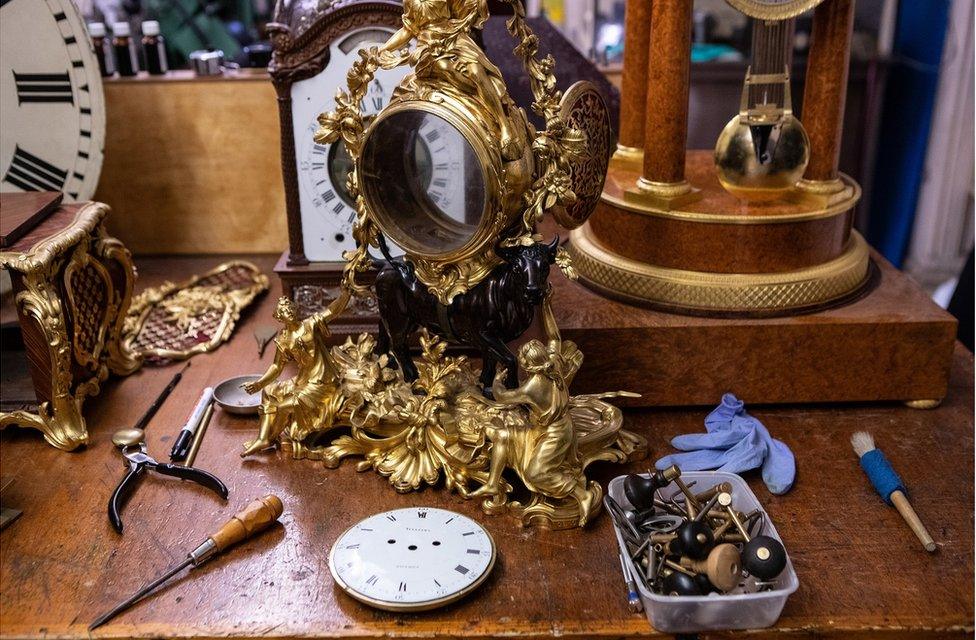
{"x": 315, "y": 44}
{"x": 53, "y": 111}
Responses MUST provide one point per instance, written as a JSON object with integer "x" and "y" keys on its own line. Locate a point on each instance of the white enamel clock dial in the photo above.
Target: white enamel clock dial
{"x": 327, "y": 211}
{"x": 441, "y": 167}
{"x": 52, "y": 128}
{"x": 412, "y": 559}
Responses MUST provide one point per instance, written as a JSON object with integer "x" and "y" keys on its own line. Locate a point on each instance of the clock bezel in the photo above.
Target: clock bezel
{"x": 427, "y": 605}
{"x": 302, "y": 56}
{"x": 764, "y": 10}
{"x": 490, "y": 165}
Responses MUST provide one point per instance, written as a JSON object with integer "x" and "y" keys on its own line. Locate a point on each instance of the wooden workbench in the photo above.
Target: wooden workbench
{"x": 862, "y": 573}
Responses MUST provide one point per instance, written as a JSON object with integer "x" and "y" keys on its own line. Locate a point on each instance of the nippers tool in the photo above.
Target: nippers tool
{"x": 133, "y": 446}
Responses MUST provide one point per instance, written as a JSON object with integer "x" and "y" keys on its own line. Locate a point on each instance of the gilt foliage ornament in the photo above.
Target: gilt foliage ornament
{"x": 518, "y": 443}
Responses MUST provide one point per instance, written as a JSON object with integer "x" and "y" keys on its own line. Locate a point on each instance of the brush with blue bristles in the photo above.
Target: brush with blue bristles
{"x": 888, "y": 485}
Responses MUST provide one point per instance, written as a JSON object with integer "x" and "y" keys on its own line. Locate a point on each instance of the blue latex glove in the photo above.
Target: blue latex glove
{"x": 735, "y": 442}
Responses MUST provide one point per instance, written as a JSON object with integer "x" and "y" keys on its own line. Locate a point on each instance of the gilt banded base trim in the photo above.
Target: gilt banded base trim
{"x": 698, "y": 291}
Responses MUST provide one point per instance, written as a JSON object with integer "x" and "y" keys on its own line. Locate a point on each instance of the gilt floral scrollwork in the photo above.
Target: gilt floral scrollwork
{"x": 97, "y": 273}
{"x": 441, "y": 426}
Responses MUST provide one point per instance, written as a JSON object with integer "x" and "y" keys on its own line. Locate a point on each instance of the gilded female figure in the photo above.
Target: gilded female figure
{"x": 309, "y": 401}
{"x": 447, "y": 56}
{"x": 543, "y": 450}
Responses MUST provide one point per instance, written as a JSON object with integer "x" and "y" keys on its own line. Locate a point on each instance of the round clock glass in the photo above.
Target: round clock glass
{"x": 412, "y": 559}
{"x": 53, "y": 125}
{"x": 424, "y": 181}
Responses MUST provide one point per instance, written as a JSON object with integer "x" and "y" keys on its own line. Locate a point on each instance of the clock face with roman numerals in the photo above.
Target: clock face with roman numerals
{"x": 327, "y": 211}
{"x": 412, "y": 559}
{"x": 52, "y": 127}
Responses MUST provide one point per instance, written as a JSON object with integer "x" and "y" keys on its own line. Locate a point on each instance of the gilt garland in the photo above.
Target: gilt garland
{"x": 522, "y": 450}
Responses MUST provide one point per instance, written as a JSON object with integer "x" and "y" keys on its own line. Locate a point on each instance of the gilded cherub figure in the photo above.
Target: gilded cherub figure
{"x": 447, "y": 56}
{"x": 311, "y": 400}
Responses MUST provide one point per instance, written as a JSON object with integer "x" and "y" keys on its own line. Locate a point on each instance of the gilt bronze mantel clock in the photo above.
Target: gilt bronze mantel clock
{"x": 452, "y": 172}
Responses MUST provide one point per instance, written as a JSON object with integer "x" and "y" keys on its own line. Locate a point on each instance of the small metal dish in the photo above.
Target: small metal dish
{"x": 230, "y": 397}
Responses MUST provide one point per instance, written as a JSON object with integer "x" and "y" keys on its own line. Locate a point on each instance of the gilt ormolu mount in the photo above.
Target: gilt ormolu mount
{"x": 472, "y": 272}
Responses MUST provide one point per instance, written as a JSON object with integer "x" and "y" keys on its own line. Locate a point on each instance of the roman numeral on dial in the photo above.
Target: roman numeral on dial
{"x": 30, "y": 173}
{"x": 43, "y": 87}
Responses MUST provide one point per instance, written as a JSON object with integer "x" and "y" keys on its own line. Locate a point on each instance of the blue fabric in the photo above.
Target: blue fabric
{"x": 881, "y": 474}
{"x": 735, "y": 442}
{"x": 905, "y": 122}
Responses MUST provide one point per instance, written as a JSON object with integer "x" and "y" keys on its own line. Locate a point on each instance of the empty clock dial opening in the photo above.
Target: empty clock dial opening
{"x": 423, "y": 181}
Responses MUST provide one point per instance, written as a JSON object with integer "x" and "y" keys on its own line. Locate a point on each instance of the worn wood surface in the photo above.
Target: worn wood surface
{"x": 862, "y": 572}
{"x": 780, "y": 235}
{"x": 53, "y": 223}
{"x": 192, "y": 165}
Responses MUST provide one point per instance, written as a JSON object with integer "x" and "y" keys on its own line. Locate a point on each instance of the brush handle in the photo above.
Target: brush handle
{"x": 881, "y": 474}
{"x": 908, "y": 513}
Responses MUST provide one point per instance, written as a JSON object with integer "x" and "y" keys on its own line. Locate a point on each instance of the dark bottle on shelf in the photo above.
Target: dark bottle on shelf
{"x": 125, "y": 50}
{"x": 103, "y": 52}
{"x": 154, "y": 48}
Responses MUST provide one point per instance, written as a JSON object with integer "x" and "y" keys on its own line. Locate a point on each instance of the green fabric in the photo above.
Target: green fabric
{"x": 187, "y": 27}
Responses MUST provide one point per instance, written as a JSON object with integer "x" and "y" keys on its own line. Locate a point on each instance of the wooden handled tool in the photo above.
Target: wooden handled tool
{"x": 253, "y": 519}
{"x": 888, "y": 485}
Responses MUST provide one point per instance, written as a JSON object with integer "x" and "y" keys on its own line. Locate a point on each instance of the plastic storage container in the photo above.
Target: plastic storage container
{"x": 690, "y": 614}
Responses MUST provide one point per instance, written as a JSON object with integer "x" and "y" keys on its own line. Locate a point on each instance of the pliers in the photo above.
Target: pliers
{"x": 138, "y": 461}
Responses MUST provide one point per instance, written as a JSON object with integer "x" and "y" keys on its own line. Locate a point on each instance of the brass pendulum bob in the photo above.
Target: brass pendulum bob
{"x": 763, "y": 151}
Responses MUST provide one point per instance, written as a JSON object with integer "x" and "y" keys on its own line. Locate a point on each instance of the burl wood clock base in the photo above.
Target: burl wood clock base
{"x": 721, "y": 255}
{"x": 893, "y": 344}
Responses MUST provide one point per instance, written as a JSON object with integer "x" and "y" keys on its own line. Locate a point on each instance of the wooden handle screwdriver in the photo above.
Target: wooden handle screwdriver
{"x": 254, "y": 518}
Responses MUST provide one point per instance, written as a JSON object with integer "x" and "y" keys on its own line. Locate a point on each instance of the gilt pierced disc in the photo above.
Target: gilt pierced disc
{"x": 584, "y": 109}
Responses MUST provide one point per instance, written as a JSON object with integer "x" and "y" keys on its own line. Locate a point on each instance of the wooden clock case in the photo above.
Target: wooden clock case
{"x": 301, "y": 36}
{"x": 777, "y": 301}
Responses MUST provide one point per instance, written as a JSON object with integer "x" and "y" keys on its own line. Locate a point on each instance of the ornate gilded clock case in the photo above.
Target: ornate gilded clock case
{"x": 414, "y": 420}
